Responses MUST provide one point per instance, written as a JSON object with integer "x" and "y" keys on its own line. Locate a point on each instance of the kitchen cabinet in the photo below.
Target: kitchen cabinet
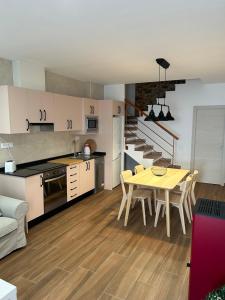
{"x": 29, "y": 189}
{"x": 73, "y": 190}
{"x": 40, "y": 107}
{"x": 87, "y": 176}
{"x": 118, "y": 108}
{"x": 68, "y": 113}
{"x": 13, "y": 112}
{"x": 34, "y": 196}
{"x": 90, "y": 107}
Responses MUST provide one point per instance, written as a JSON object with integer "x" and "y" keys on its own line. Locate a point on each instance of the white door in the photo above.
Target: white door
{"x": 209, "y": 144}
{"x": 116, "y": 171}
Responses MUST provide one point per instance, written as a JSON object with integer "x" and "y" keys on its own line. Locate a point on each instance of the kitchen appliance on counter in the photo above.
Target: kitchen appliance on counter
{"x": 91, "y": 124}
{"x": 10, "y": 166}
{"x": 54, "y": 184}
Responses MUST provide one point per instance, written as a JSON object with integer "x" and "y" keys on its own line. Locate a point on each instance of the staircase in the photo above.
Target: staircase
{"x": 143, "y": 147}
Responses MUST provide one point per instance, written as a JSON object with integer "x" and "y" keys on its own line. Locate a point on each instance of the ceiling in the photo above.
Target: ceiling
{"x": 117, "y": 41}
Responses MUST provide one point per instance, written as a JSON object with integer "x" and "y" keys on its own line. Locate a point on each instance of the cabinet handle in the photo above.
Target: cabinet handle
{"x": 68, "y": 124}
{"x": 73, "y": 195}
{"x": 90, "y": 109}
{"x": 74, "y": 174}
{"x": 41, "y": 180}
{"x": 119, "y": 109}
{"x": 28, "y": 124}
{"x": 45, "y": 117}
{"x": 71, "y": 168}
{"x": 71, "y": 124}
{"x": 86, "y": 165}
{"x": 93, "y": 109}
{"x": 73, "y": 189}
{"x": 73, "y": 181}
{"x": 41, "y": 116}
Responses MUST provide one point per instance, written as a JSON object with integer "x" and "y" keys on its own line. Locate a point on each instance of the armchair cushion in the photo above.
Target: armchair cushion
{"x": 7, "y": 225}
{"x": 13, "y": 208}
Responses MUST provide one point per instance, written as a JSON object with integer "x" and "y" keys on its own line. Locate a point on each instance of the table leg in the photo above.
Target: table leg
{"x": 129, "y": 197}
{"x": 167, "y": 212}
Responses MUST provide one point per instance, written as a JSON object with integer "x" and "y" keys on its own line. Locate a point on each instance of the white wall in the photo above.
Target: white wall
{"x": 114, "y": 92}
{"x": 182, "y": 102}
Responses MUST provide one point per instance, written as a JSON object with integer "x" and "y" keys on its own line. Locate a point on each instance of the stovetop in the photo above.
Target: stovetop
{"x": 45, "y": 167}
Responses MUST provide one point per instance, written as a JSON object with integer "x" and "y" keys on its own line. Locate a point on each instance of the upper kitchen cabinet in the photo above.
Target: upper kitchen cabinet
{"x": 68, "y": 113}
{"x": 91, "y": 107}
{"x": 40, "y": 107}
{"x": 118, "y": 108}
{"x": 14, "y": 116}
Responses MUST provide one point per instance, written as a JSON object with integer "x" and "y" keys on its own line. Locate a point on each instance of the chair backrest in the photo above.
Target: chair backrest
{"x": 138, "y": 169}
{"x": 123, "y": 176}
{"x": 194, "y": 179}
{"x": 185, "y": 188}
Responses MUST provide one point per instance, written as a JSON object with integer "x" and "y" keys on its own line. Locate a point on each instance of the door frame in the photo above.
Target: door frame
{"x": 194, "y": 127}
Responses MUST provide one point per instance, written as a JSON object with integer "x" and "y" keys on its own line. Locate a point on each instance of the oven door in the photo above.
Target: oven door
{"x": 55, "y": 192}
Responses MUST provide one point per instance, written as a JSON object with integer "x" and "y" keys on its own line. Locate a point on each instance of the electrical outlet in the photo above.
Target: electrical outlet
{"x": 6, "y": 145}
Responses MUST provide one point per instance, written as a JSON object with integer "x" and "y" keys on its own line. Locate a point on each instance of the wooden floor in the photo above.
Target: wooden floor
{"x": 84, "y": 253}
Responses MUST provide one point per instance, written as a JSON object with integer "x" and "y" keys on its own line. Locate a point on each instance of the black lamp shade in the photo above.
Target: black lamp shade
{"x": 151, "y": 116}
{"x": 161, "y": 116}
{"x": 169, "y": 116}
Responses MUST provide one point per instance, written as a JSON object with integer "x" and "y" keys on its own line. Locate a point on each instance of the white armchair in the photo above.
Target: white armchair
{"x": 12, "y": 224}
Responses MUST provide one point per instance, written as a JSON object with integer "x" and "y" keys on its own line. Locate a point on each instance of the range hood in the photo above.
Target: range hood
{"x": 41, "y": 127}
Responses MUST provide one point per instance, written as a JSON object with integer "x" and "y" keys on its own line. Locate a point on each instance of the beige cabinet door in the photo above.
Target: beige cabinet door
{"x": 87, "y": 176}
{"x": 91, "y": 107}
{"x": 118, "y": 108}
{"x": 68, "y": 113}
{"x": 75, "y": 113}
{"x": 19, "y": 118}
{"x": 34, "y": 196}
{"x": 40, "y": 107}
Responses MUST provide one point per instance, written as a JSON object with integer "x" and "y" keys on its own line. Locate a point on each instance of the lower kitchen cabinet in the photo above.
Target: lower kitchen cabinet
{"x": 73, "y": 189}
{"x": 34, "y": 196}
{"x": 87, "y": 176}
{"x": 29, "y": 189}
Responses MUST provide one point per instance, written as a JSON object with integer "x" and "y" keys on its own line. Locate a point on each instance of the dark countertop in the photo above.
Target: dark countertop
{"x": 22, "y": 170}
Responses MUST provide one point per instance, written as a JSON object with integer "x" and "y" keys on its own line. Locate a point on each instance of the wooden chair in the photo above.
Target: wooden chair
{"x": 138, "y": 169}
{"x": 138, "y": 194}
{"x": 176, "y": 200}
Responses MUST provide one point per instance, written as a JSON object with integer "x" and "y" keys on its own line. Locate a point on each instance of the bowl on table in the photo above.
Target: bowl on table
{"x": 158, "y": 171}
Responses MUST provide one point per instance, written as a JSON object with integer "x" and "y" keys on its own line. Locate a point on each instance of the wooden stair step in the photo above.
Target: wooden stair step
{"x": 129, "y": 135}
{"x": 135, "y": 142}
{"x": 145, "y": 148}
{"x": 132, "y": 127}
{"x": 174, "y": 166}
{"x": 162, "y": 162}
{"x": 153, "y": 155}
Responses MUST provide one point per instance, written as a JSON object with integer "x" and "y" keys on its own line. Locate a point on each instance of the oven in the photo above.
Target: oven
{"x": 91, "y": 124}
{"x": 54, "y": 188}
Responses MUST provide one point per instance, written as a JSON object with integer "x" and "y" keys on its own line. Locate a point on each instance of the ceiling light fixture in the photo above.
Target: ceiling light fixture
{"x": 161, "y": 117}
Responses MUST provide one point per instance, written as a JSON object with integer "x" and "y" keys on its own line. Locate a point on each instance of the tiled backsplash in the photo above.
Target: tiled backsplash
{"x": 30, "y": 147}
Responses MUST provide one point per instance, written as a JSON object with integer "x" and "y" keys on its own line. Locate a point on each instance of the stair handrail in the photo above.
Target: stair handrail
{"x": 143, "y": 113}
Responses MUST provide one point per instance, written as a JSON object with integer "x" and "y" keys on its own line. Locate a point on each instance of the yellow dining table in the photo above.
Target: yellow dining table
{"x": 166, "y": 182}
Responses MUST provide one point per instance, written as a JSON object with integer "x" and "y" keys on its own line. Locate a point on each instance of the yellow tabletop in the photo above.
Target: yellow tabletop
{"x": 166, "y": 182}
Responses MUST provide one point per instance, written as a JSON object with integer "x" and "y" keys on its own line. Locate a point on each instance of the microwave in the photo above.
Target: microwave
{"x": 92, "y": 124}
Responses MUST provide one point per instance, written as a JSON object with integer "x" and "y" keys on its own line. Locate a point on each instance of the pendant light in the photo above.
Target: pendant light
{"x": 169, "y": 116}
{"x": 151, "y": 116}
